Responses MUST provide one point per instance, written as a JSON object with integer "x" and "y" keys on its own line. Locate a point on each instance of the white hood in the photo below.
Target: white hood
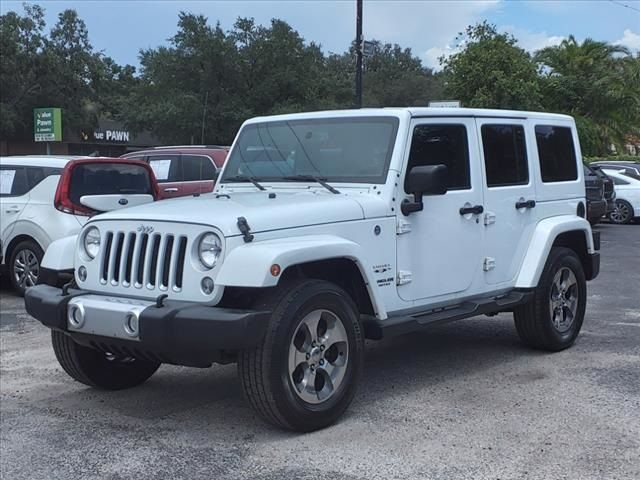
{"x": 286, "y": 210}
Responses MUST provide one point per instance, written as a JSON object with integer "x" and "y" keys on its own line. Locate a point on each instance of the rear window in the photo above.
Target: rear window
{"x": 556, "y": 153}
{"x": 109, "y": 179}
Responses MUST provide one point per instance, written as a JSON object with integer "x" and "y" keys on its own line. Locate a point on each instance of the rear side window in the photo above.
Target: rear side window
{"x": 446, "y": 145}
{"x": 37, "y": 174}
{"x": 619, "y": 181}
{"x": 556, "y": 153}
{"x": 108, "y": 179}
{"x": 197, "y": 167}
{"x": 505, "y": 155}
{"x": 166, "y": 168}
{"x": 13, "y": 181}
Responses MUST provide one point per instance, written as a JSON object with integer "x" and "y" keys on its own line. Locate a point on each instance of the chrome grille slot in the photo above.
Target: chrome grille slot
{"x": 153, "y": 261}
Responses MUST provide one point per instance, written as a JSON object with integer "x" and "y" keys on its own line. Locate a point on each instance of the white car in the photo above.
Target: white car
{"x": 627, "y": 203}
{"x": 327, "y": 228}
{"x": 37, "y": 207}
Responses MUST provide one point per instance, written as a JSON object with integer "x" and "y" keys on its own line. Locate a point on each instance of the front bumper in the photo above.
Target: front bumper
{"x": 181, "y": 333}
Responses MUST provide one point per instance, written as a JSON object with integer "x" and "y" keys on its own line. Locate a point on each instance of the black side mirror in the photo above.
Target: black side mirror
{"x": 425, "y": 180}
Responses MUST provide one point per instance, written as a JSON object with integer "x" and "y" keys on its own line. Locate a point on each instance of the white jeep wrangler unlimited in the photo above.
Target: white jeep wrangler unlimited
{"x": 325, "y": 229}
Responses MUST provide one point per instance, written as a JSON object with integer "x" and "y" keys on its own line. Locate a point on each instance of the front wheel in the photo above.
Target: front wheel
{"x": 98, "y": 369}
{"x": 304, "y": 374}
{"x": 553, "y": 318}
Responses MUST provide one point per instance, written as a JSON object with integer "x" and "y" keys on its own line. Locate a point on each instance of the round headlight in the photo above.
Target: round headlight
{"x": 91, "y": 242}
{"x": 209, "y": 249}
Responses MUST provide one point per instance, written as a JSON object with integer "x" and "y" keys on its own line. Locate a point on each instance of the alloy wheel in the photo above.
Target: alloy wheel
{"x": 318, "y": 356}
{"x": 26, "y": 268}
{"x": 621, "y": 213}
{"x": 563, "y": 301}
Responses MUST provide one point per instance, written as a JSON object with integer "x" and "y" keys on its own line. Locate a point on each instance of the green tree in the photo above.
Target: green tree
{"x": 491, "y": 71}
{"x": 599, "y": 84}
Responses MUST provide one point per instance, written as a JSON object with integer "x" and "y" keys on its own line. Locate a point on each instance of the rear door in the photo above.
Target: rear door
{"x": 14, "y": 196}
{"x": 509, "y": 197}
{"x": 168, "y": 171}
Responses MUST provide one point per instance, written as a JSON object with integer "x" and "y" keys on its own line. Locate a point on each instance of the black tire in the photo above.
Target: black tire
{"x": 24, "y": 251}
{"x": 96, "y": 369}
{"x": 265, "y": 373}
{"x": 623, "y": 212}
{"x": 534, "y": 320}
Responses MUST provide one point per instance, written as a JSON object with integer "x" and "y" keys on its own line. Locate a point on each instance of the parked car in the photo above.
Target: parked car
{"x": 630, "y": 168}
{"x": 44, "y": 198}
{"x": 332, "y": 228}
{"x": 627, "y": 196}
{"x": 595, "y": 194}
{"x": 184, "y": 170}
{"x": 609, "y": 191}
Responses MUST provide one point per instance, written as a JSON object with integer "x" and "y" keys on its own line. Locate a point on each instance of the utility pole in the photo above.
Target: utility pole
{"x": 359, "y": 45}
{"x": 204, "y": 113}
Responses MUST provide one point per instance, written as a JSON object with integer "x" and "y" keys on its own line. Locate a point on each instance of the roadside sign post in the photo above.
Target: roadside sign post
{"x": 47, "y": 126}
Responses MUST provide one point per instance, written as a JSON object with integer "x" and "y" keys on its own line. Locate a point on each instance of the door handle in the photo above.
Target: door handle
{"x": 525, "y": 204}
{"x": 12, "y": 210}
{"x": 476, "y": 209}
{"x": 171, "y": 190}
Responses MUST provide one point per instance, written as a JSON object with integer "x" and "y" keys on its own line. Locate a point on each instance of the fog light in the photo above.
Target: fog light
{"x": 207, "y": 285}
{"x": 75, "y": 315}
{"x": 131, "y": 324}
{"x": 82, "y": 273}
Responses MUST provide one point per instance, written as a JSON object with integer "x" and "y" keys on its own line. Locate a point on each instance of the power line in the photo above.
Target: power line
{"x": 625, "y": 5}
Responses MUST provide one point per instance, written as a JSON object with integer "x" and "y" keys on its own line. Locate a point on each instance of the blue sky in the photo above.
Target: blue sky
{"x": 122, "y": 28}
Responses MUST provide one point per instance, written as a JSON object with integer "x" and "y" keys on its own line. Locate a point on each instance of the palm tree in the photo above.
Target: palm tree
{"x": 596, "y": 82}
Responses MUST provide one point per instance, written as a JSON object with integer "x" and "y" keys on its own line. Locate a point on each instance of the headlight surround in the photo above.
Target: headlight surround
{"x": 209, "y": 249}
{"x": 91, "y": 242}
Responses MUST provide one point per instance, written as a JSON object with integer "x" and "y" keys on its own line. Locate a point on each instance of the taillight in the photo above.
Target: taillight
{"x": 62, "y": 200}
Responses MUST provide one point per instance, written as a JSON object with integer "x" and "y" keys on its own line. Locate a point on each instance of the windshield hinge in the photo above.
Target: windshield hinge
{"x": 403, "y": 226}
{"x": 403, "y": 277}
{"x": 245, "y": 229}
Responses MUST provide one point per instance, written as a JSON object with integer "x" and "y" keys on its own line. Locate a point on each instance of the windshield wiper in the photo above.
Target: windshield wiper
{"x": 245, "y": 178}
{"x": 312, "y": 178}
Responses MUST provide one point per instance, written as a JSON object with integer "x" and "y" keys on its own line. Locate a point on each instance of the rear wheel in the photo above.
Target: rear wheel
{"x": 553, "y": 318}
{"x": 622, "y": 213}
{"x": 24, "y": 265}
{"x": 98, "y": 369}
{"x": 304, "y": 374}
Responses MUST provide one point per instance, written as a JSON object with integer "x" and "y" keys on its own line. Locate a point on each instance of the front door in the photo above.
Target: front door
{"x": 14, "y": 196}
{"x": 440, "y": 249}
{"x": 509, "y": 198}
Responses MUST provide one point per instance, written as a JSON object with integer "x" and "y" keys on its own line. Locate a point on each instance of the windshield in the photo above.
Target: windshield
{"x": 355, "y": 149}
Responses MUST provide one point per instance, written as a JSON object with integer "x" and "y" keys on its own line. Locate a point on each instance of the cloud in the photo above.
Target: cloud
{"x": 532, "y": 41}
{"x": 629, "y": 39}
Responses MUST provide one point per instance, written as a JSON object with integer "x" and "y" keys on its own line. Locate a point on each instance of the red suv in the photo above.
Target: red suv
{"x": 184, "y": 170}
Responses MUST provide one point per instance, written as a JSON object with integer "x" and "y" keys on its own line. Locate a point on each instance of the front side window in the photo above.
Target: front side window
{"x": 337, "y": 149}
{"x": 13, "y": 181}
{"x": 445, "y": 145}
{"x": 556, "y": 153}
{"x": 505, "y": 155}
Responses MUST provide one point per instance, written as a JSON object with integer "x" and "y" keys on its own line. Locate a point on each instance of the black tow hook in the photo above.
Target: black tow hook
{"x": 67, "y": 286}
{"x": 160, "y": 300}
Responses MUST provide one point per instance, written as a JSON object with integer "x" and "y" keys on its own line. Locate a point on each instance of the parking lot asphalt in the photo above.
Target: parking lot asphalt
{"x": 462, "y": 400}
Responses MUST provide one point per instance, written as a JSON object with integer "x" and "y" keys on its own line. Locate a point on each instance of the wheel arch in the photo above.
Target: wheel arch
{"x": 562, "y": 231}
{"x": 326, "y": 257}
{"x": 13, "y": 243}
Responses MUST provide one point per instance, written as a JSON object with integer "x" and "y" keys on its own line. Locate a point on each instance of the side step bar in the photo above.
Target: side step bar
{"x": 377, "y": 329}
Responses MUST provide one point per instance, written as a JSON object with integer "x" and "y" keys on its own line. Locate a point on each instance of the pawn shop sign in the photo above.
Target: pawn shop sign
{"x": 47, "y": 124}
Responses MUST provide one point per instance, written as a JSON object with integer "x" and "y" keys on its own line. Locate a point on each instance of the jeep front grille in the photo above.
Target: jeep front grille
{"x": 154, "y": 261}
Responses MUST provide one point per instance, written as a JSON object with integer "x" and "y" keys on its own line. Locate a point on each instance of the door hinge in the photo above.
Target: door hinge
{"x": 489, "y": 264}
{"x": 403, "y": 278}
{"x": 489, "y": 218}
{"x": 403, "y": 226}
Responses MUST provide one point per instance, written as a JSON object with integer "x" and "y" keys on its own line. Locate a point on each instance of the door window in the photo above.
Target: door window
{"x": 556, "y": 153}
{"x": 166, "y": 168}
{"x": 13, "y": 181}
{"x": 196, "y": 168}
{"x": 619, "y": 181}
{"x": 442, "y": 144}
{"x": 505, "y": 155}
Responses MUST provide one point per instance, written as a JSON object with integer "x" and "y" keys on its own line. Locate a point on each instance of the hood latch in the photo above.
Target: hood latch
{"x": 245, "y": 229}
